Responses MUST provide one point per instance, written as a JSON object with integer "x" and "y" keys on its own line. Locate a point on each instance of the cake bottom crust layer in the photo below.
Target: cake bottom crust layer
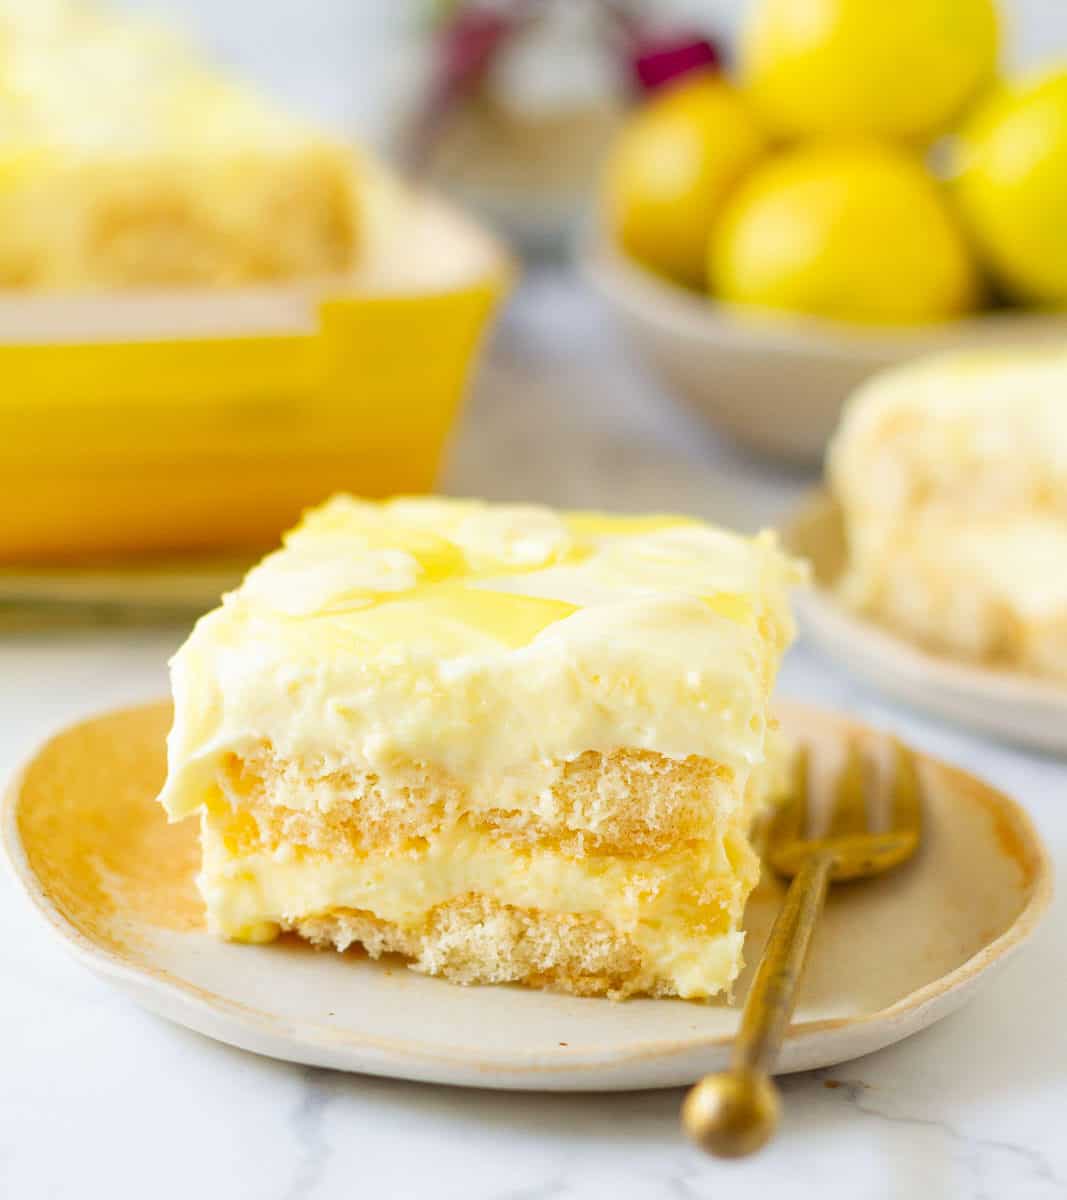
{"x": 476, "y": 939}
{"x": 181, "y": 220}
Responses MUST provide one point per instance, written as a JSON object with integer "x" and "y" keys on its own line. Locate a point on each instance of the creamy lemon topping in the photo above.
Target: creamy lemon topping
{"x": 490, "y": 642}
{"x": 76, "y": 77}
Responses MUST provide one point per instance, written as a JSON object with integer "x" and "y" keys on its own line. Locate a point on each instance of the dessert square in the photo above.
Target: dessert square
{"x": 951, "y": 476}
{"x": 128, "y": 160}
{"x": 508, "y": 743}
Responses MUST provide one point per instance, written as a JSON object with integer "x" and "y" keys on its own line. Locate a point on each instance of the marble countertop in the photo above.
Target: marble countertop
{"x": 100, "y": 1099}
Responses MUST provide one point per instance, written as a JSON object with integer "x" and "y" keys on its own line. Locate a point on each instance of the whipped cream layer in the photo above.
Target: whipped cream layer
{"x": 491, "y": 642}
{"x": 82, "y": 79}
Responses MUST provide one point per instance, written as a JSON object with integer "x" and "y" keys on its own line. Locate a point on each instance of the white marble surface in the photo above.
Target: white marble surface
{"x": 99, "y": 1099}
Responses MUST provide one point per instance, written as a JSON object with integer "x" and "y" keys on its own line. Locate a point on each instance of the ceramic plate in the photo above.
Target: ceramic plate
{"x": 1019, "y": 707}
{"x": 115, "y": 883}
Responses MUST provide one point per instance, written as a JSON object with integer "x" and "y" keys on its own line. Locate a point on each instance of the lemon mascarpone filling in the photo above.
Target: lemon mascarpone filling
{"x": 507, "y": 742}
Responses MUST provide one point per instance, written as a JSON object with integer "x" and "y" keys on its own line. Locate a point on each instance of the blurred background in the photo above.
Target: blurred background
{"x": 347, "y": 62}
{"x": 625, "y": 369}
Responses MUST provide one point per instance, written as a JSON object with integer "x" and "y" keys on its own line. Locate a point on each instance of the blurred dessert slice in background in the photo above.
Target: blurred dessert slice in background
{"x": 127, "y": 159}
{"x": 951, "y": 475}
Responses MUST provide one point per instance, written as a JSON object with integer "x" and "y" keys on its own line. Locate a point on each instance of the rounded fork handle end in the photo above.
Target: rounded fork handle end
{"x": 732, "y": 1114}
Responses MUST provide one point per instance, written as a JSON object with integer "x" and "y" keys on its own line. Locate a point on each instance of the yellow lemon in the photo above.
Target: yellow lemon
{"x": 1013, "y": 187}
{"x": 891, "y": 68}
{"x": 671, "y": 168}
{"x": 852, "y": 231}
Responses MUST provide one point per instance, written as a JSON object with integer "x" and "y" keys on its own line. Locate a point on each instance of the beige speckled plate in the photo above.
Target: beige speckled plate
{"x": 116, "y": 884}
{"x": 1022, "y": 708}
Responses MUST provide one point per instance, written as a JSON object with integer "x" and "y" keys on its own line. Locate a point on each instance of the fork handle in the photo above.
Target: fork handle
{"x": 735, "y": 1112}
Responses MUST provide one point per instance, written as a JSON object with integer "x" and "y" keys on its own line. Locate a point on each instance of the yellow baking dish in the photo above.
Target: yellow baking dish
{"x": 136, "y": 422}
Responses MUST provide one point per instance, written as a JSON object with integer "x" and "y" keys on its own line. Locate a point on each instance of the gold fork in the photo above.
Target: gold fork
{"x": 735, "y": 1112}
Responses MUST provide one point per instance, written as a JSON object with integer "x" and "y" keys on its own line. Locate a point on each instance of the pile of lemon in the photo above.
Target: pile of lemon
{"x": 806, "y": 185}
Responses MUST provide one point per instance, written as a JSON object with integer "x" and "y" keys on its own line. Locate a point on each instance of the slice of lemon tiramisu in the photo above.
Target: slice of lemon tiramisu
{"x": 509, "y": 744}
{"x": 951, "y": 476}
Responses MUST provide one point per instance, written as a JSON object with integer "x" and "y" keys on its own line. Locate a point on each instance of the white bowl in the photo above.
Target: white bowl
{"x": 773, "y": 382}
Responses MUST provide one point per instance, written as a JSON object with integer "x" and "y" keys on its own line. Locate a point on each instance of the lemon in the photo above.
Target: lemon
{"x": 671, "y": 168}
{"x": 851, "y": 231}
{"x": 889, "y": 68}
{"x": 1013, "y": 187}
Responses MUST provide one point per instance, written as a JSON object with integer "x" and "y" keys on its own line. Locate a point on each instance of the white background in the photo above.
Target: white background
{"x": 344, "y": 60}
